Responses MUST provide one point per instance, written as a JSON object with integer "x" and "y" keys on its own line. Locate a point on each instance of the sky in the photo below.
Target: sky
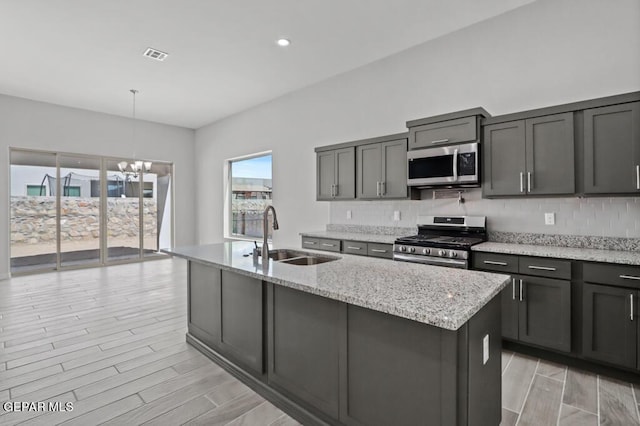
{"x": 257, "y": 167}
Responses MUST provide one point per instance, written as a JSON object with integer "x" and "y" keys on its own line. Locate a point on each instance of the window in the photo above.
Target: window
{"x": 37, "y": 190}
{"x": 251, "y": 188}
{"x": 71, "y": 191}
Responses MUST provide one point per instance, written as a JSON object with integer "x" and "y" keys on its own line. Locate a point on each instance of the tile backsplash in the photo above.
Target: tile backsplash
{"x": 596, "y": 216}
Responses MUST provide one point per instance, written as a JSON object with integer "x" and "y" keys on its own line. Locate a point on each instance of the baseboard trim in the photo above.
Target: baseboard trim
{"x": 290, "y": 407}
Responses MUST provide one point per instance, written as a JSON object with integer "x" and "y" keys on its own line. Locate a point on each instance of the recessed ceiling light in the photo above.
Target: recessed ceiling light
{"x": 283, "y": 42}
{"x": 155, "y": 54}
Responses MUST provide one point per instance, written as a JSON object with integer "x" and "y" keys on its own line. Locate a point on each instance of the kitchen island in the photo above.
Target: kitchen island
{"x": 354, "y": 341}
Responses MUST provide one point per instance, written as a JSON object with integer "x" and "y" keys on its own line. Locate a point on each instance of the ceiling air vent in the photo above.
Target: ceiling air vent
{"x": 155, "y": 54}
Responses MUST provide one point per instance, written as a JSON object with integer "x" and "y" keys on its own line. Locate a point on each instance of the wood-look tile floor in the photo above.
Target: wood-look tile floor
{"x": 111, "y": 340}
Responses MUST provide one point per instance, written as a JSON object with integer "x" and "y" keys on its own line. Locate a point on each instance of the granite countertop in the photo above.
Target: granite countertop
{"x": 585, "y": 254}
{"x": 355, "y": 236}
{"x": 442, "y": 297}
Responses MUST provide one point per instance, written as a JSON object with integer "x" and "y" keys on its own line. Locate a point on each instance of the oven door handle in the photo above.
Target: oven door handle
{"x": 430, "y": 260}
{"x": 455, "y": 165}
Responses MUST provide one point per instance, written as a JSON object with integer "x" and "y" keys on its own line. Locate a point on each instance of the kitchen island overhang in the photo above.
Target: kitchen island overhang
{"x": 353, "y": 341}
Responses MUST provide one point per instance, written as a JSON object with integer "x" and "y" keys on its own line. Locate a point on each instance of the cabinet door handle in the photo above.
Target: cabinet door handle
{"x": 354, "y": 248}
{"x": 455, "y": 164}
{"x": 440, "y": 141}
{"x": 638, "y": 176}
{"x": 521, "y": 182}
{"x": 383, "y": 188}
{"x": 528, "y": 181}
{"x": 377, "y": 189}
{"x": 521, "y": 290}
{"x": 337, "y": 190}
{"x": 513, "y": 288}
{"x": 310, "y": 242}
{"x": 328, "y": 245}
{"x": 378, "y": 251}
{"x": 629, "y": 277}
{"x": 631, "y": 303}
{"x": 542, "y": 268}
{"x": 494, "y": 262}
{"x": 333, "y": 192}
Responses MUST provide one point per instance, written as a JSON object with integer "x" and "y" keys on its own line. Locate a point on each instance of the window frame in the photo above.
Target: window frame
{"x": 228, "y": 195}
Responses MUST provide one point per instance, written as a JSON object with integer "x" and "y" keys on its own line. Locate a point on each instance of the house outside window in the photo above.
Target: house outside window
{"x": 251, "y": 183}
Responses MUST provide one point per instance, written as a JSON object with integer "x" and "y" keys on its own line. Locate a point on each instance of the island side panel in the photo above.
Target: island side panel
{"x": 241, "y": 336}
{"x": 204, "y": 303}
{"x": 393, "y": 371}
{"x": 485, "y": 379}
{"x": 304, "y": 336}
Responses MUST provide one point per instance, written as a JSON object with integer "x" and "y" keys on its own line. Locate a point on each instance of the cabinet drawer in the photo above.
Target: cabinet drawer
{"x": 543, "y": 267}
{"x": 621, "y": 275}
{"x": 354, "y": 247}
{"x": 312, "y": 243}
{"x": 495, "y": 262}
{"x": 442, "y": 133}
{"x": 380, "y": 250}
{"x": 329, "y": 245}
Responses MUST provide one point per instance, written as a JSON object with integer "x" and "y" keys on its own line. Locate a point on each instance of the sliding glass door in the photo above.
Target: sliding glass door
{"x": 72, "y": 210}
{"x": 79, "y": 189}
{"x": 34, "y": 232}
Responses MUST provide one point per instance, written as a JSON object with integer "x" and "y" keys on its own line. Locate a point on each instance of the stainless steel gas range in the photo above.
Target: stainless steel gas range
{"x": 442, "y": 240}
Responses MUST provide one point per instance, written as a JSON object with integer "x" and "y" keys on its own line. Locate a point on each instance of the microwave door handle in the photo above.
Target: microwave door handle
{"x": 455, "y": 164}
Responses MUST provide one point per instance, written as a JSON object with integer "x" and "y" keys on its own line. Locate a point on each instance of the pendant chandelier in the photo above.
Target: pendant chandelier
{"x": 137, "y": 166}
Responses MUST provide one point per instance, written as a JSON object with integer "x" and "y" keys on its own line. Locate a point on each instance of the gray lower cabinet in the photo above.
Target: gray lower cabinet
{"x": 304, "y": 345}
{"x": 225, "y": 312}
{"x": 382, "y": 170}
{"x": 612, "y": 149}
{"x": 530, "y": 157}
{"x": 536, "y": 307}
{"x": 335, "y": 178}
{"x": 544, "y": 312}
{"x": 609, "y": 331}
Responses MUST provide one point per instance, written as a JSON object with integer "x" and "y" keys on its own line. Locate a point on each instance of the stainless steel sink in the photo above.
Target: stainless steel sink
{"x": 308, "y": 260}
{"x": 297, "y": 257}
{"x": 282, "y": 254}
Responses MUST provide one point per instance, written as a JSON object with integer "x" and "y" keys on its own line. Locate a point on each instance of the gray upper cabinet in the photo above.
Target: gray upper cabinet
{"x": 504, "y": 158}
{"x": 444, "y": 132}
{"x": 612, "y": 149}
{"x": 382, "y": 170}
{"x": 335, "y": 174}
{"x": 530, "y": 157}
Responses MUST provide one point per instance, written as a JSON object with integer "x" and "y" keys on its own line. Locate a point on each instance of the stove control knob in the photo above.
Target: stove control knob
{"x": 442, "y": 253}
{"x": 412, "y": 249}
{"x": 453, "y": 253}
{"x": 426, "y": 251}
{"x": 402, "y": 248}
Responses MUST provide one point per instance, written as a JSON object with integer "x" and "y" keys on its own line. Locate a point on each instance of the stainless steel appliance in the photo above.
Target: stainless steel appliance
{"x": 452, "y": 165}
{"x": 442, "y": 240}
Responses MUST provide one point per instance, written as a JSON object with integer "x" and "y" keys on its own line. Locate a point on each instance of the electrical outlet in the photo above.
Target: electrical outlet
{"x": 549, "y": 218}
{"x": 348, "y": 214}
{"x": 485, "y": 349}
{"x": 396, "y": 215}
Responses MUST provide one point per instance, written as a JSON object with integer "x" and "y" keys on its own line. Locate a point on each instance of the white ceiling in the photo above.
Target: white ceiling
{"x": 222, "y": 53}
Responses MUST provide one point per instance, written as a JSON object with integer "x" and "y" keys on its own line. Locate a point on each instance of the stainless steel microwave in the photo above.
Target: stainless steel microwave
{"x": 453, "y": 165}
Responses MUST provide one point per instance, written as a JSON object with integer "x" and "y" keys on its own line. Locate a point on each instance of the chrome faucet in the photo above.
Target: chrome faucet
{"x": 265, "y": 221}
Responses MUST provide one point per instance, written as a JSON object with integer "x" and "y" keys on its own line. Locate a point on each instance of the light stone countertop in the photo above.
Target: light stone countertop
{"x": 439, "y": 296}
{"x": 355, "y": 236}
{"x": 585, "y": 254}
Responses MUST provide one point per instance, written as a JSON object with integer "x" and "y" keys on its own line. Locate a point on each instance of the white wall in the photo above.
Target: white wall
{"x": 546, "y": 53}
{"x": 38, "y": 125}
